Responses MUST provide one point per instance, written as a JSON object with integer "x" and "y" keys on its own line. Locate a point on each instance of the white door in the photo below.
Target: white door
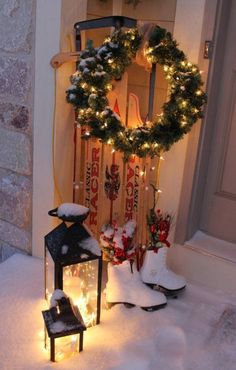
{"x": 218, "y": 215}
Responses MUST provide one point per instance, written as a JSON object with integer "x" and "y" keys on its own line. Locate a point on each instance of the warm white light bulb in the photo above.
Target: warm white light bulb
{"x": 109, "y": 86}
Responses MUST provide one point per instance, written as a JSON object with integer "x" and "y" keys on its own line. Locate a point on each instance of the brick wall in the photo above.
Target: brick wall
{"x": 17, "y": 24}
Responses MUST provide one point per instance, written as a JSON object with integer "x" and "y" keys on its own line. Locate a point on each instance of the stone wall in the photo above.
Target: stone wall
{"x": 17, "y": 24}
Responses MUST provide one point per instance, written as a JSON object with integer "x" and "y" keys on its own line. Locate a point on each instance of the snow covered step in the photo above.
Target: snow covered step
{"x": 225, "y": 329}
{"x": 7, "y": 251}
{"x": 183, "y": 336}
{"x": 207, "y": 261}
{"x": 223, "y": 337}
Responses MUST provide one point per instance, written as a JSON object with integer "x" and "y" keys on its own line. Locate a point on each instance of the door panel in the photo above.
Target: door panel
{"x": 228, "y": 181}
{"x": 218, "y": 214}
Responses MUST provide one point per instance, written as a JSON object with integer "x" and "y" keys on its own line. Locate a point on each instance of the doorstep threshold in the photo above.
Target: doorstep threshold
{"x": 211, "y": 246}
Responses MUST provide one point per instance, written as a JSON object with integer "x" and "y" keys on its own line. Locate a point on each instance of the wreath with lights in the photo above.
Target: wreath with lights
{"x": 99, "y": 67}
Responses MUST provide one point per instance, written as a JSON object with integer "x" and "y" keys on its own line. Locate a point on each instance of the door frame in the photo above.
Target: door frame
{"x": 196, "y": 163}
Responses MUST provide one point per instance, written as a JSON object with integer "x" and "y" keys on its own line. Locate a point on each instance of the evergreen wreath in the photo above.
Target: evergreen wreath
{"x": 92, "y": 81}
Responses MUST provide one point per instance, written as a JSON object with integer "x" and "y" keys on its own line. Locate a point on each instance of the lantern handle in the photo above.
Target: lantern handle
{"x": 53, "y": 212}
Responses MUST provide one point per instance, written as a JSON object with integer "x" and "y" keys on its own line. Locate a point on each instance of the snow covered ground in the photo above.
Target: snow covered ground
{"x": 197, "y": 331}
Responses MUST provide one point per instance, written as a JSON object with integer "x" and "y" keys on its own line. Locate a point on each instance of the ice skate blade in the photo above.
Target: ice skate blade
{"x": 126, "y": 304}
{"x": 168, "y": 292}
{"x": 154, "y": 308}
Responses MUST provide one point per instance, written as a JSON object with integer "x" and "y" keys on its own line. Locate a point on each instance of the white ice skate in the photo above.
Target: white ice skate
{"x": 155, "y": 273}
{"x": 125, "y": 286}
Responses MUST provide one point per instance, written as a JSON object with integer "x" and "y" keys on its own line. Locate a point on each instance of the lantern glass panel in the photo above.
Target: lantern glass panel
{"x": 49, "y": 276}
{"x": 65, "y": 347}
{"x": 80, "y": 282}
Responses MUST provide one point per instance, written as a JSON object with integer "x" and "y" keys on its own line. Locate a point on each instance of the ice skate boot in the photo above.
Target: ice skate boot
{"x": 155, "y": 274}
{"x": 125, "y": 286}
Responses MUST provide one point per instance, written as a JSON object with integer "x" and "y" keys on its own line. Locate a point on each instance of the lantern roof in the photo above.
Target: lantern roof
{"x": 65, "y": 319}
{"x": 65, "y": 244}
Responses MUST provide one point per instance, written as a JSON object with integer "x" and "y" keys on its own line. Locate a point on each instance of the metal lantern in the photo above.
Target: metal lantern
{"x": 73, "y": 269}
{"x": 65, "y": 328}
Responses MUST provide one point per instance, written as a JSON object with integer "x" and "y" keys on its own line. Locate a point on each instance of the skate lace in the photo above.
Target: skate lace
{"x": 163, "y": 255}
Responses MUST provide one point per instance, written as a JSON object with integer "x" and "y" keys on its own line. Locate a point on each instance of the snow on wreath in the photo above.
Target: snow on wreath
{"x": 98, "y": 67}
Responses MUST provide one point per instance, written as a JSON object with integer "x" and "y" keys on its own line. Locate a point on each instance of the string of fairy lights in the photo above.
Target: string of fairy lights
{"x": 99, "y": 67}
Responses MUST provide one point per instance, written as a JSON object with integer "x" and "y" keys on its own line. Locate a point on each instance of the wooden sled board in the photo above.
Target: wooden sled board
{"x": 92, "y": 180}
{"x": 136, "y": 178}
{"x": 111, "y": 192}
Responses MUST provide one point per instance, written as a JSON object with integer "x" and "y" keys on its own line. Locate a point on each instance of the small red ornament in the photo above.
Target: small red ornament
{"x": 153, "y": 228}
